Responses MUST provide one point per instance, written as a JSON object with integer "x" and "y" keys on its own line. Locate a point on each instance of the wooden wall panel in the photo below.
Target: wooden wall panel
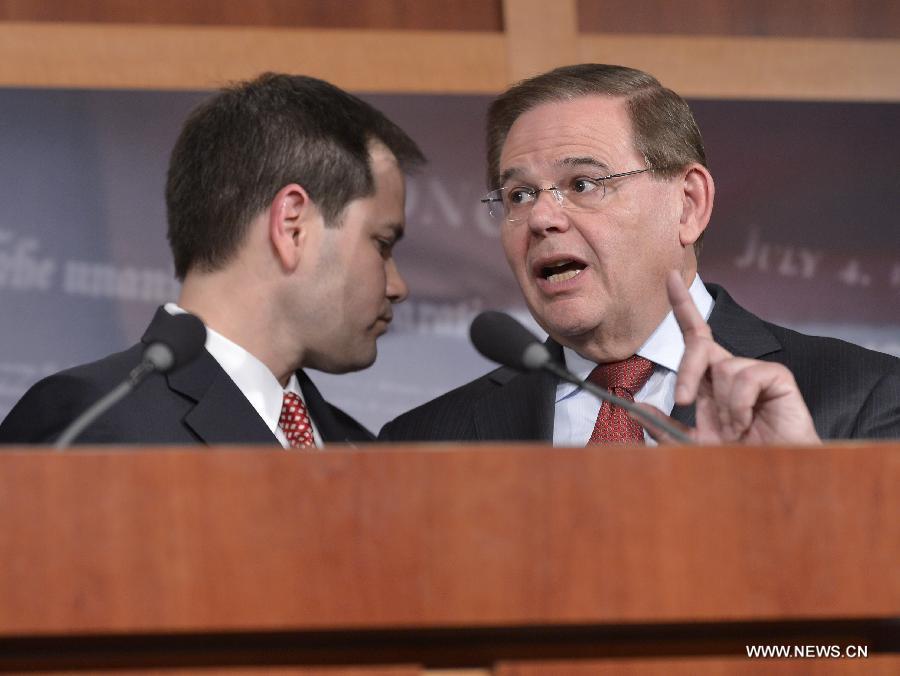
{"x": 538, "y": 40}
{"x": 774, "y": 18}
{"x": 757, "y": 68}
{"x": 102, "y": 56}
{"x": 88, "y": 47}
{"x": 458, "y": 15}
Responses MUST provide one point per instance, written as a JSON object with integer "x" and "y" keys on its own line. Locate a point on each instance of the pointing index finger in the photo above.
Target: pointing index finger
{"x": 686, "y": 313}
{"x": 700, "y": 350}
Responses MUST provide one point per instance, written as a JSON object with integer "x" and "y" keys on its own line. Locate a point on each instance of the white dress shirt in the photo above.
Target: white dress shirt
{"x": 254, "y": 379}
{"x": 576, "y": 410}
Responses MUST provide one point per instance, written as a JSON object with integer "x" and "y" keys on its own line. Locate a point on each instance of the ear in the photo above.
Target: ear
{"x": 696, "y": 203}
{"x": 290, "y": 218}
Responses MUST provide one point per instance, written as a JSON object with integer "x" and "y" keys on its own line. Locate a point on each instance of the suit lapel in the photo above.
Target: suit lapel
{"x": 521, "y": 407}
{"x": 221, "y": 414}
{"x": 329, "y": 427}
{"x": 686, "y": 415}
{"x": 738, "y": 331}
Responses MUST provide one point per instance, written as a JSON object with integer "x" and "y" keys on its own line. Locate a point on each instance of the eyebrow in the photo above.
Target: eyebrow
{"x": 586, "y": 161}
{"x": 509, "y": 173}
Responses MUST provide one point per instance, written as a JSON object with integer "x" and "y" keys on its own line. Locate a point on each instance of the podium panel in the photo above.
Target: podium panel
{"x": 442, "y": 556}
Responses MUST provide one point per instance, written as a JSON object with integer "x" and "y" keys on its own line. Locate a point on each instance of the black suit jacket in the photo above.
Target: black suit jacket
{"x": 850, "y": 391}
{"x": 198, "y": 403}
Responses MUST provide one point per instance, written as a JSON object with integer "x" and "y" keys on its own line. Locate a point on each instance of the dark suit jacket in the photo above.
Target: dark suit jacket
{"x": 196, "y": 404}
{"x": 850, "y": 391}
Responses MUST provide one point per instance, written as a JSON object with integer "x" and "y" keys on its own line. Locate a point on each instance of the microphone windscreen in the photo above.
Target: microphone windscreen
{"x": 185, "y": 336}
{"x": 504, "y": 340}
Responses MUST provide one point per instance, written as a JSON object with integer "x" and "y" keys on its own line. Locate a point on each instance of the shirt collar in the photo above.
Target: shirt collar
{"x": 253, "y": 378}
{"x": 664, "y": 347}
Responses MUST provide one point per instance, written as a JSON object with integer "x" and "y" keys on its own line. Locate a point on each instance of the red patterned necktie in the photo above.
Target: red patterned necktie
{"x": 623, "y": 379}
{"x": 295, "y": 423}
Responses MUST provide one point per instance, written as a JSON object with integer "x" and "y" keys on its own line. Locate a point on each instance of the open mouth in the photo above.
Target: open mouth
{"x": 561, "y": 271}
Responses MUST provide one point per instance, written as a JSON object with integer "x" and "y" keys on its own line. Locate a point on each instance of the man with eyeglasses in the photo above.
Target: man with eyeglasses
{"x": 600, "y": 185}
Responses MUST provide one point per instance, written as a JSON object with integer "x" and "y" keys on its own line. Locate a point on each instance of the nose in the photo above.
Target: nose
{"x": 397, "y": 290}
{"x": 547, "y": 214}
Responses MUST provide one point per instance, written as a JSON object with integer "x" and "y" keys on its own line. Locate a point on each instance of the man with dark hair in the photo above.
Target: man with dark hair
{"x": 285, "y": 197}
{"x": 599, "y": 182}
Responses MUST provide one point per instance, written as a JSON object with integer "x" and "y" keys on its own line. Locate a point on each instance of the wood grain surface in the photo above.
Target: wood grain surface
{"x": 221, "y": 540}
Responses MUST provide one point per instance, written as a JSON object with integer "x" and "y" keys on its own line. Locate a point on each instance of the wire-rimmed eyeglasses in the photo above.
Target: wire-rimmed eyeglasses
{"x": 514, "y": 203}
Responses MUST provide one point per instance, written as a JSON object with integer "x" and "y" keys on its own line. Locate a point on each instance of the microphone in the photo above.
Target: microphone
{"x": 182, "y": 340}
{"x": 184, "y": 336}
{"x": 504, "y": 340}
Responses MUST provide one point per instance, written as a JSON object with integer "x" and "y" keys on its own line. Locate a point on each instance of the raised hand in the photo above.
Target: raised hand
{"x": 737, "y": 399}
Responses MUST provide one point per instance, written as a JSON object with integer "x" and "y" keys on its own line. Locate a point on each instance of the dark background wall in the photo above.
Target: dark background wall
{"x": 798, "y": 102}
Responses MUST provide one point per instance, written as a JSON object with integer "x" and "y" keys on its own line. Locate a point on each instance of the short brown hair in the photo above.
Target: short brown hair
{"x": 240, "y": 147}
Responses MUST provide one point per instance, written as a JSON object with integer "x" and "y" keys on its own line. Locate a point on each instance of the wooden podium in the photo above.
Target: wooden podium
{"x": 512, "y": 559}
